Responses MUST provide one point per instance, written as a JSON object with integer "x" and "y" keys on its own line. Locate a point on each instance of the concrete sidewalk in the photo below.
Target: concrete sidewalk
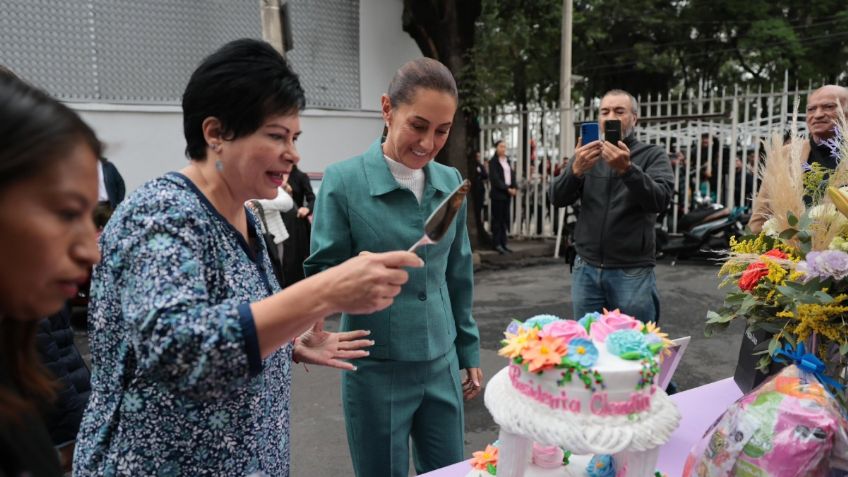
{"x": 525, "y": 253}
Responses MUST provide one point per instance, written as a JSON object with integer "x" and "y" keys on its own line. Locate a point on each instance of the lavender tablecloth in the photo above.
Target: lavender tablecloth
{"x": 699, "y": 407}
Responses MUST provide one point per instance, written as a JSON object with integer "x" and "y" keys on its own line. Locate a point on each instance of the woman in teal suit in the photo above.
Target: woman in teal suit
{"x": 410, "y": 385}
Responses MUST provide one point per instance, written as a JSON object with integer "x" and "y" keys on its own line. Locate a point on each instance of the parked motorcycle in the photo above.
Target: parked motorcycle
{"x": 706, "y": 228}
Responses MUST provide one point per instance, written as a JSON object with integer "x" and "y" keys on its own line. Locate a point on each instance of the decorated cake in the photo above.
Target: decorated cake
{"x": 583, "y": 390}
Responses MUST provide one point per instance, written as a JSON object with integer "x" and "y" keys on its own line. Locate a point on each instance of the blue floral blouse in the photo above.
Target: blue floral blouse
{"x": 178, "y": 385}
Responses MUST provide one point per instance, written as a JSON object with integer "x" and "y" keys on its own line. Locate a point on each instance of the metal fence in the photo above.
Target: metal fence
{"x": 714, "y": 140}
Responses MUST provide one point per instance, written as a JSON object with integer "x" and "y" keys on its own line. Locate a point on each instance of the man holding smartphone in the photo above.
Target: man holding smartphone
{"x": 622, "y": 185}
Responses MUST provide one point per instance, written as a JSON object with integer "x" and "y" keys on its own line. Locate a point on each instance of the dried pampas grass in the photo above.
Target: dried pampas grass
{"x": 782, "y": 179}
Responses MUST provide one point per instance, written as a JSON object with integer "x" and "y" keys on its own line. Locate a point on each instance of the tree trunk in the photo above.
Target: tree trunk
{"x": 444, "y": 31}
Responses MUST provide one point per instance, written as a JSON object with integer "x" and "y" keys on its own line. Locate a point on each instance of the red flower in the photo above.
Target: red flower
{"x": 757, "y": 270}
{"x": 751, "y": 276}
{"x": 776, "y": 253}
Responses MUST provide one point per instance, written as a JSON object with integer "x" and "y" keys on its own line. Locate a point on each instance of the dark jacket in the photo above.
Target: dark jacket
{"x": 55, "y": 342}
{"x": 618, "y": 212}
{"x": 478, "y": 184}
{"x": 499, "y": 188}
{"x": 302, "y": 193}
{"x": 114, "y": 183}
{"x": 25, "y": 447}
{"x": 296, "y": 247}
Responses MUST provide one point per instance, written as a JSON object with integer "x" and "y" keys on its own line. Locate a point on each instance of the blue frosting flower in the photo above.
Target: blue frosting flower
{"x": 513, "y": 327}
{"x": 588, "y": 319}
{"x": 539, "y": 321}
{"x": 628, "y": 344}
{"x": 601, "y": 466}
{"x": 582, "y": 352}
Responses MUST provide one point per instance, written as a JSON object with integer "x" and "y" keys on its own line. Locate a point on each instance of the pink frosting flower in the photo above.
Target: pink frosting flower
{"x": 613, "y": 321}
{"x": 565, "y": 329}
{"x": 547, "y": 457}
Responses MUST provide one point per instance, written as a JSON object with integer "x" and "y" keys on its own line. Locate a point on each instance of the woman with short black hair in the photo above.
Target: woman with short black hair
{"x": 192, "y": 340}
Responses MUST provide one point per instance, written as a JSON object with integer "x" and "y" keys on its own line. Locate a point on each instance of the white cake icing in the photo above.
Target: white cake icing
{"x": 580, "y": 433}
{"x": 610, "y": 405}
{"x": 620, "y": 378}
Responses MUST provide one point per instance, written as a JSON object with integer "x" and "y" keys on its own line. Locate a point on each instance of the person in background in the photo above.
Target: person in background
{"x": 410, "y": 385}
{"x": 46, "y": 247}
{"x": 59, "y": 354}
{"x": 297, "y": 222}
{"x": 192, "y": 341}
{"x": 621, "y": 187}
{"x": 684, "y": 183}
{"x": 503, "y": 189}
{"x": 743, "y": 180}
{"x": 823, "y": 108}
{"x": 111, "y": 188}
{"x": 274, "y": 231}
{"x": 478, "y": 189}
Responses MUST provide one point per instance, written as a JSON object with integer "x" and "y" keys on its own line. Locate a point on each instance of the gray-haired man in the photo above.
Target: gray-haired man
{"x": 622, "y": 187}
{"x": 823, "y": 106}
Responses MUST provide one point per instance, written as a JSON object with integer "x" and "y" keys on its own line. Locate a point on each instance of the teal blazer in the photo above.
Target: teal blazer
{"x": 361, "y": 207}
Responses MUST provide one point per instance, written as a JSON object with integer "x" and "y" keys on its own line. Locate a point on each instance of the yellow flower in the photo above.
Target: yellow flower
{"x": 815, "y": 318}
{"x": 516, "y": 343}
{"x": 652, "y": 328}
{"x": 776, "y": 273}
{"x": 755, "y": 246}
{"x": 770, "y": 296}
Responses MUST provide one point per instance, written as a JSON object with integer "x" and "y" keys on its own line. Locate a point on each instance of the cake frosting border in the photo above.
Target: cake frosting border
{"x": 579, "y": 433}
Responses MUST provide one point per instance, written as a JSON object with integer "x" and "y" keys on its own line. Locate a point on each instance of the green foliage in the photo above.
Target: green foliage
{"x": 756, "y": 41}
{"x": 815, "y": 182}
{"x": 516, "y": 51}
{"x": 631, "y": 45}
{"x": 651, "y": 46}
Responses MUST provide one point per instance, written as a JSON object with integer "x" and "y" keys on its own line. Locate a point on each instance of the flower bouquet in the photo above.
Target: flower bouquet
{"x": 790, "y": 282}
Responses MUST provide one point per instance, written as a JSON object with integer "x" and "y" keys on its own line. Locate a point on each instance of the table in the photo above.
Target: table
{"x": 700, "y": 407}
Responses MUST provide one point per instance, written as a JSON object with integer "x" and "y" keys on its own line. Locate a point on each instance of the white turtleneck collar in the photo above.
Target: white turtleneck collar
{"x": 412, "y": 179}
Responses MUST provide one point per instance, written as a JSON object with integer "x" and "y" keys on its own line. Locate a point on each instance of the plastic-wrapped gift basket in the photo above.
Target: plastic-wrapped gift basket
{"x": 790, "y": 426}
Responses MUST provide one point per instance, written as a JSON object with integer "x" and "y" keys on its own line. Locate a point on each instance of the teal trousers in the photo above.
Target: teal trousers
{"x": 386, "y": 402}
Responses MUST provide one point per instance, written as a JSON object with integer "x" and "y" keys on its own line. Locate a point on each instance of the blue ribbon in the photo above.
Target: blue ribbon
{"x": 806, "y": 362}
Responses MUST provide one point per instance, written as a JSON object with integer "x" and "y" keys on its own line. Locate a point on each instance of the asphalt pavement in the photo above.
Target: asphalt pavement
{"x": 520, "y": 286}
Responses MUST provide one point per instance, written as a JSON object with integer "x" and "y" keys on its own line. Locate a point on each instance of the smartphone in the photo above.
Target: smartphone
{"x": 612, "y": 131}
{"x": 589, "y": 132}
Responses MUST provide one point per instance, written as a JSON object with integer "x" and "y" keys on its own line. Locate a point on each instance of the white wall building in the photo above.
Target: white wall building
{"x": 123, "y": 64}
